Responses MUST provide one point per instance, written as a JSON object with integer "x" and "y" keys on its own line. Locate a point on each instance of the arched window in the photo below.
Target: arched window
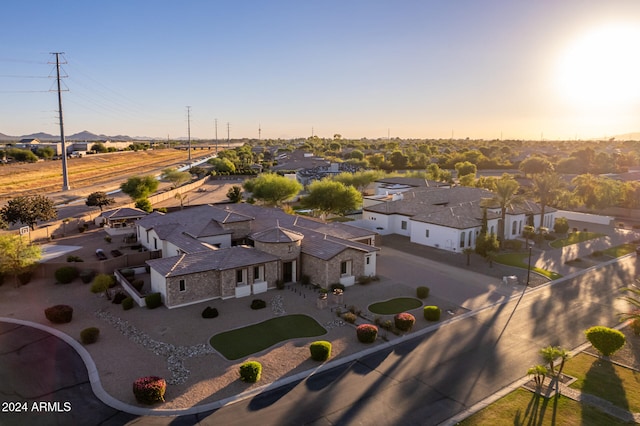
{"x": 462, "y": 239}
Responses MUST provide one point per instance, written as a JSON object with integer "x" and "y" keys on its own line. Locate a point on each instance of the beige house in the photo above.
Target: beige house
{"x": 236, "y": 250}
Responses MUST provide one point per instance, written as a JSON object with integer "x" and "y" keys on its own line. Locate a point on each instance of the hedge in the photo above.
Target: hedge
{"x": 258, "y": 304}
{"x": 606, "y": 340}
{"x": 153, "y": 300}
{"x": 89, "y": 335}
{"x": 404, "y": 321}
{"x": 149, "y": 390}
{"x": 209, "y": 312}
{"x": 87, "y": 276}
{"x": 367, "y": 333}
{"x": 250, "y": 371}
{"x": 59, "y": 314}
{"x": 66, "y": 274}
{"x": 431, "y": 313}
{"x": 422, "y": 292}
{"x": 320, "y": 350}
{"x": 127, "y": 303}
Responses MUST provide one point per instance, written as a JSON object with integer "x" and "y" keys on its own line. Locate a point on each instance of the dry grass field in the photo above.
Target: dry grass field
{"x": 106, "y": 170}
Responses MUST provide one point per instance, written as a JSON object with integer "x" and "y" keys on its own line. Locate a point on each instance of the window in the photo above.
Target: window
{"x": 258, "y": 273}
{"x": 470, "y": 236}
{"x": 240, "y": 275}
{"x": 426, "y": 233}
{"x": 368, "y": 260}
{"x": 343, "y": 268}
{"x": 514, "y": 226}
{"x": 403, "y": 224}
{"x": 462, "y": 235}
{"x": 183, "y": 286}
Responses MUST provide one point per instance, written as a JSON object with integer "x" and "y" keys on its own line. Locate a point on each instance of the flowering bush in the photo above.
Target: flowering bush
{"x": 149, "y": 389}
{"x": 404, "y": 321}
{"x": 367, "y": 333}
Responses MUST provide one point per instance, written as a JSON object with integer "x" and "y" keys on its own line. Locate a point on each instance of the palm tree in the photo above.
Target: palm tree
{"x": 546, "y": 189}
{"x": 634, "y": 301}
{"x": 506, "y": 195}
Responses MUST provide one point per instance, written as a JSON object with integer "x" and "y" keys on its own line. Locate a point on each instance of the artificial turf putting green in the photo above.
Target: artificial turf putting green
{"x": 395, "y": 306}
{"x": 254, "y": 338}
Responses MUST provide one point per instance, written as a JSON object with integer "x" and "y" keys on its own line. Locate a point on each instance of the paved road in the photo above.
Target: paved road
{"x": 422, "y": 381}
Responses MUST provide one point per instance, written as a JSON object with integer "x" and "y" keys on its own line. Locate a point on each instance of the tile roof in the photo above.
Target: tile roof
{"x": 276, "y": 235}
{"x": 222, "y": 259}
{"x": 123, "y": 213}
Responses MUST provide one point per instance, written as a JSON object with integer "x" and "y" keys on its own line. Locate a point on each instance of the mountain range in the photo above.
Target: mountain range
{"x": 81, "y": 136}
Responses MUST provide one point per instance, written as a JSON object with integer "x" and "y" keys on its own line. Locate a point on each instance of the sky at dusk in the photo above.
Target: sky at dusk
{"x": 411, "y": 69}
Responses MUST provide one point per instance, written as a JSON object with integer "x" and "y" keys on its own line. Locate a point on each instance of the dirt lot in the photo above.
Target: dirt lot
{"x": 91, "y": 173}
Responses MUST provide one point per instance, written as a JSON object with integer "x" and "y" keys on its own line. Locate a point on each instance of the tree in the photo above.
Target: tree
{"x": 223, "y": 165}
{"x": 467, "y": 252}
{"x": 99, "y": 147}
{"x": 29, "y": 209}
{"x": 177, "y": 178}
{"x": 138, "y": 187}
{"x": 328, "y": 196}
{"x": 505, "y": 196}
{"x": 398, "y": 160}
{"x": 45, "y": 152}
{"x": 234, "y": 194}
{"x": 102, "y": 283}
{"x": 550, "y": 354}
{"x": 22, "y": 155}
{"x": 145, "y": 205}
{"x": 359, "y": 180}
{"x": 535, "y": 165}
{"x": 17, "y": 255}
{"x": 633, "y": 298}
{"x": 606, "y": 340}
{"x": 180, "y": 196}
{"x": 99, "y": 199}
{"x": 546, "y": 189}
{"x": 272, "y": 189}
{"x": 539, "y": 372}
{"x": 466, "y": 168}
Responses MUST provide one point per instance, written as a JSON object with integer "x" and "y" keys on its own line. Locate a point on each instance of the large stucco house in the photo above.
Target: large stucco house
{"x": 235, "y": 250}
{"x": 450, "y": 218}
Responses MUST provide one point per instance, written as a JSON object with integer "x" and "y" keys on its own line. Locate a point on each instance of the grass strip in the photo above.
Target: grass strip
{"x": 241, "y": 342}
{"x": 575, "y": 238}
{"x": 521, "y": 260}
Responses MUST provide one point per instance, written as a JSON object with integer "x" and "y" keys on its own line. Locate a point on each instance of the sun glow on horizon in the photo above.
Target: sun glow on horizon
{"x": 601, "y": 69}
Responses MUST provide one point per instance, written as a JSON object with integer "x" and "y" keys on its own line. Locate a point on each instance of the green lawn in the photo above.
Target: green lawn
{"x": 522, "y": 407}
{"x": 621, "y": 250}
{"x": 395, "y": 306}
{"x": 521, "y": 260}
{"x": 620, "y": 386}
{"x": 254, "y": 338}
{"x": 576, "y": 237}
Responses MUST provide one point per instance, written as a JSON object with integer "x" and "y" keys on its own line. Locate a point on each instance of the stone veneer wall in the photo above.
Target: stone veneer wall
{"x": 239, "y": 229}
{"x": 198, "y": 287}
{"x": 280, "y": 249}
{"x": 324, "y": 273}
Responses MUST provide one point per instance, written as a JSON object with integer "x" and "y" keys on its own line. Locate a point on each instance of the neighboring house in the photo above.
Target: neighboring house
{"x": 120, "y": 221}
{"x": 450, "y": 218}
{"x": 208, "y": 252}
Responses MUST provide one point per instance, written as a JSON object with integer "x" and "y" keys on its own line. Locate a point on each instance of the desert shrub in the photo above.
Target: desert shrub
{"x": 66, "y": 274}
{"x": 635, "y": 326}
{"x": 367, "y": 333}
{"x": 404, "y": 321}
{"x": 431, "y": 313}
{"x": 320, "y": 350}
{"x": 119, "y": 298}
{"x": 349, "y": 317}
{"x": 209, "y": 312}
{"x": 258, "y": 304}
{"x": 422, "y": 292}
{"x": 107, "y": 239}
{"x": 561, "y": 225}
{"x": 354, "y": 310}
{"x": 86, "y": 276}
{"x": 365, "y": 279}
{"x": 387, "y": 325}
{"x": 153, "y": 300}
{"x": 149, "y": 390}
{"x": 137, "y": 284}
{"x": 72, "y": 258}
{"x": 336, "y": 286}
{"x": 606, "y": 340}
{"x": 59, "y": 314}
{"x": 127, "y": 303}
{"x": 250, "y": 371}
{"x": 89, "y": 335}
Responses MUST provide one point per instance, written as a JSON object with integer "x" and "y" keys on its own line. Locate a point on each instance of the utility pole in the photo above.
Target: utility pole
{"x": 65, "y": 175}
{"x": 216, "y": 121}
{"x": 259, "y": 132}
{"x": 189, "y": 130}
{"x": 228, "y": 138}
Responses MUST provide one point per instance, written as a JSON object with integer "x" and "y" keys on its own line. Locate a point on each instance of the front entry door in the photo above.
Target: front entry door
{"x": 287, "y": 272}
